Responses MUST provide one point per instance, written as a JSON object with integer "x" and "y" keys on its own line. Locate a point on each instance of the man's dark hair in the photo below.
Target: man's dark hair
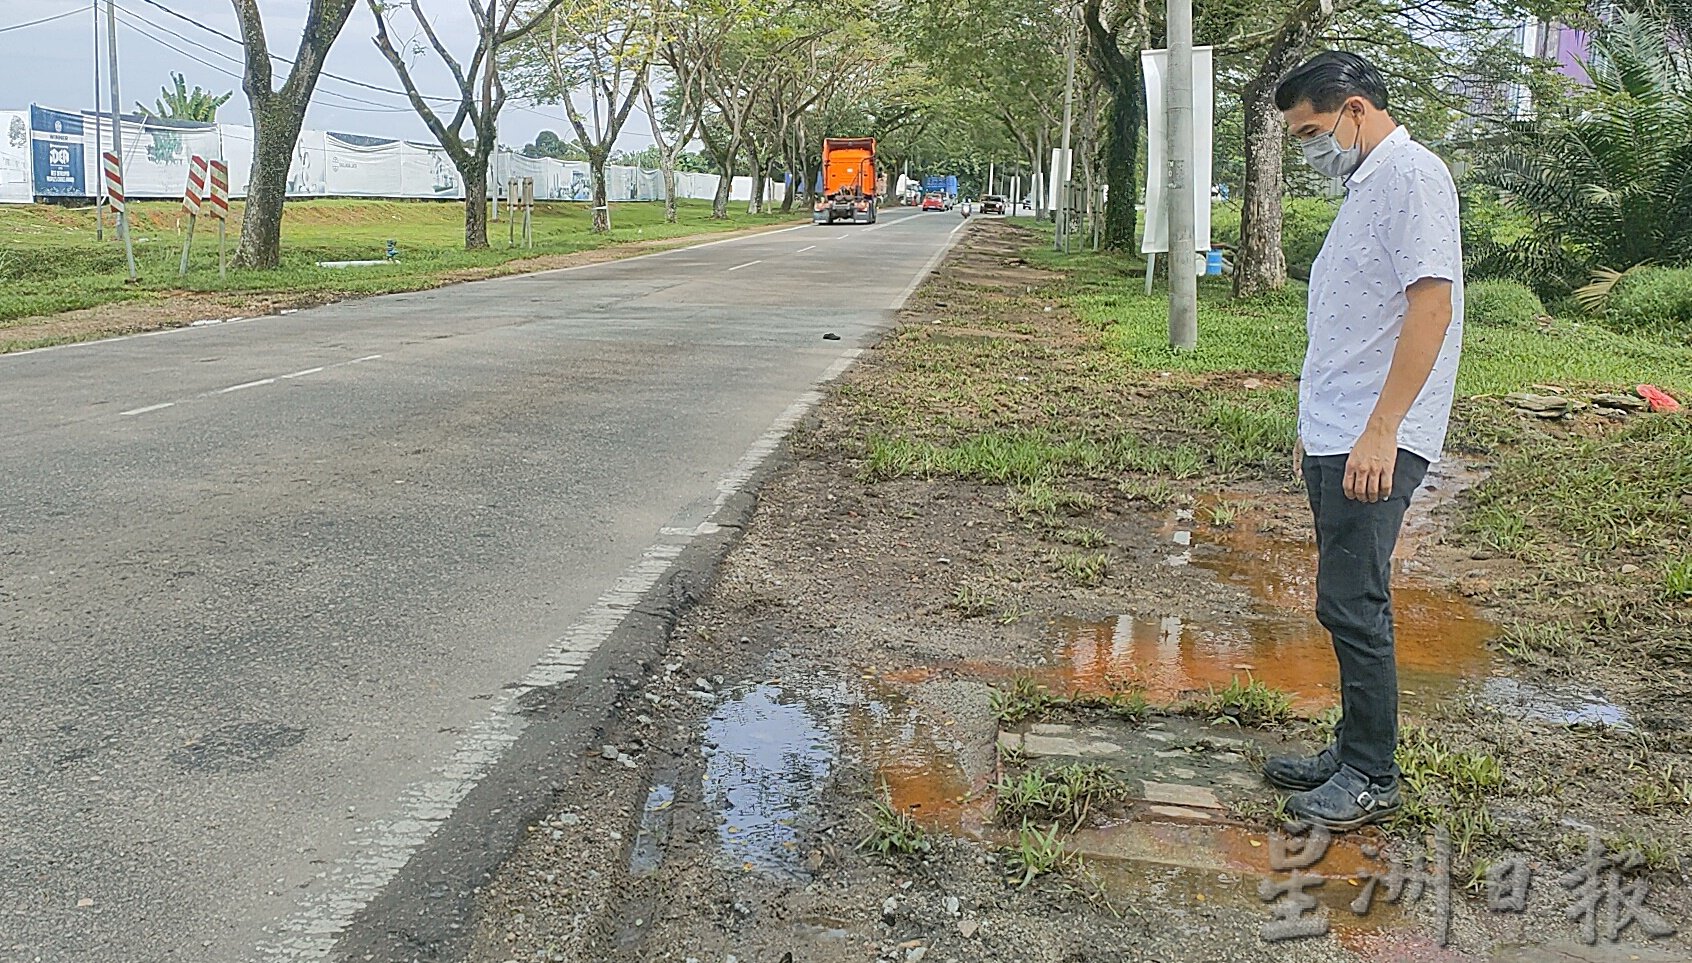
{"x": 1328, "y": 80}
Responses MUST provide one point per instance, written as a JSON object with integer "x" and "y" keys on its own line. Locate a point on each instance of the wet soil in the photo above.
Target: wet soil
{"x": 849, "y": 653}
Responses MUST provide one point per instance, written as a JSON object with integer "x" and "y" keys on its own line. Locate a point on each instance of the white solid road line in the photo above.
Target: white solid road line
{"x": 247, "y": 384}
{"x": 302, "y": 374}
{"x": 142, "y": 411}
{"x": 746, "y": 265}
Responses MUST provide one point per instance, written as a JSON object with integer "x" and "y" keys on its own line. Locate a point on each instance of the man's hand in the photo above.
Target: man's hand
{"x": 1369, "y": 467}
{"x": 1298, "y": 458}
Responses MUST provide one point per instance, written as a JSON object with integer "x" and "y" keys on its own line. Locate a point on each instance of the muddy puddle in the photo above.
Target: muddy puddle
{"x": 1566, "y": 706}
{"x": 773, "y": 749}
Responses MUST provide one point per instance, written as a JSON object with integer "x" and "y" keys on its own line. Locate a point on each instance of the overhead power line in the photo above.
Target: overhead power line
{"x": 37, "y": 23}
{"x": 145, "y": 28}
{"x": 285, "y": 60}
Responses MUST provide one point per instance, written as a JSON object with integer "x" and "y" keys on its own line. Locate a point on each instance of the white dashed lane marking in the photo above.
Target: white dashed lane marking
{"x": 247, "y": 384}
{"x": 142, "y": 411}
{"x": 251, "y": 384}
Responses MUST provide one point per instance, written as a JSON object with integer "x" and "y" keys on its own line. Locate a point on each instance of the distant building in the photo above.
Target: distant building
{"x": 1568, "y": 47}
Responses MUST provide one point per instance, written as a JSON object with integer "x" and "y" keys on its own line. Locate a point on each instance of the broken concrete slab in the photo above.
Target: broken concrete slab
{"x": 1178, "y": 794}
{"x": 1179, "y": 760}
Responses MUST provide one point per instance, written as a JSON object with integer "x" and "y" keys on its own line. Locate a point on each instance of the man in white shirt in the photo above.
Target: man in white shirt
{"x": 1386, "y": 327}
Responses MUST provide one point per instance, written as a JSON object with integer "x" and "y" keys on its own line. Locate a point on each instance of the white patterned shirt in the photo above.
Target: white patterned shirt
{"x": 1397, "y": 225}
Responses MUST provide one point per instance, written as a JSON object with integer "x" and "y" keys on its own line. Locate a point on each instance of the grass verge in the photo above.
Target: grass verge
{"x": 51, "y": 262}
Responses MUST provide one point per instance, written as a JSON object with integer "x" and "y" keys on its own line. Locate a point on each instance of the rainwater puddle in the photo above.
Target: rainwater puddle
{"x": 1563, "y": 707}
{"x": 772, "y": 750}
{"x": 769, "y": 753}
{"x": 1441, "y": 637}
{"x": 918, "y": 767}
{"x": 648, "y": 849}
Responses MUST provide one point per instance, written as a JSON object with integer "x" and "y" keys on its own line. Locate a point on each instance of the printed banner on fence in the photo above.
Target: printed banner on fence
{"x": 17, "y": 185}
{"x": 59, "y": 158}
{"x": 56, "y": 155}
{"x": 156, "y": 153}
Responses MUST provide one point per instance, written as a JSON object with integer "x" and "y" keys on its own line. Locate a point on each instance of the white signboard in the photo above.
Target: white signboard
{"x": 1061, "y": 171}
{"x": 1153, "y": 62}
{"x": 16, "y": 180}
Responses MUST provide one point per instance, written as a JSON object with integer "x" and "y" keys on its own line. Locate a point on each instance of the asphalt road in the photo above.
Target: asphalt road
{"x": 272, "y": 593}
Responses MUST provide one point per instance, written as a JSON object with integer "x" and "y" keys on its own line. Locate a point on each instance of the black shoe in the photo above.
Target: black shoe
{"x": 1302, "y": 772}
{"x": 1347, "y": 801}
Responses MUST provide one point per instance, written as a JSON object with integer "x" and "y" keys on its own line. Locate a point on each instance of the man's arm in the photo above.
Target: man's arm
{"x": 1368, "y": 472}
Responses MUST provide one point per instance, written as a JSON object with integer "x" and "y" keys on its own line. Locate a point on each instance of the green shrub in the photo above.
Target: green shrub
{"x": 1501, "y": 304}
{"x": 1304, "y": 226}
{"x": 1225, "y": 223}
{"x": 1653, "y": 299}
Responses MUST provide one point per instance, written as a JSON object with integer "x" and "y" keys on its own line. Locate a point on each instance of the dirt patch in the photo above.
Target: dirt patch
{"x": 825, "y": 765}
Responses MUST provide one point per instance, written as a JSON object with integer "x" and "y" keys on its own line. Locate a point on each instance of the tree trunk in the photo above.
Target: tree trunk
{"x": 475, "y": 174}
{"x": 667, "y": 167}
{"x": 792, "y": 191}
{"x": 1122, "y": 154}
{"x": 1260, "y": 265}
{"x": 725, "y": 187}
{"x": 276, "y": 129}
{"x": 601, "y": 192}
{"x": 277, "y": 117}
{"x": 755, "y": 203}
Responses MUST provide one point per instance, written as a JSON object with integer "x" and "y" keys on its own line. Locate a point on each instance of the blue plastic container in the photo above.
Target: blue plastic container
{"x": 1213, "y": 262}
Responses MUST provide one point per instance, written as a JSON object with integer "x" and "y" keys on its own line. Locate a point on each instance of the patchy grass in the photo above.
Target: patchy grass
{"x": 1266, "y": 336}
{"x": 1023, "y": 698}
{"x": 1677, "y": 578}
{"x": 1082, "y": 537}
{"x": 1086, "y": 569}
{"x": 1447, "y": 786}
{"x": 1659, "y": 787}
{"x": 1129, "y": 705}
{"x": 1040, "y": 498}
{"x": 892, "y": 832}
{"x": 971, "y": 602}
{"x": 1249, "y": 702}
{"x": 1062, "y": 795}
{"x": 1034, "y": 855}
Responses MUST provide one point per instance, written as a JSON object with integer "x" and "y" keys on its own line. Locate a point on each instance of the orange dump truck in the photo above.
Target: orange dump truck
{"x": 848, "y": 181}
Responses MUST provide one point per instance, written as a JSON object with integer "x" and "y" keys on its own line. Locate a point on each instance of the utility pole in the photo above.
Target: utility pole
{"x": 1060, "y": 173}
{"x": 1178, "y": 104}
{"x": 99, "y": 176}
{"x": 117, "y": 134}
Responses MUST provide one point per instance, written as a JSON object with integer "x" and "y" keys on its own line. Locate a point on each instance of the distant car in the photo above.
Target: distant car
{"x": 992, "y": 204}
{"x": 934, "y": 202}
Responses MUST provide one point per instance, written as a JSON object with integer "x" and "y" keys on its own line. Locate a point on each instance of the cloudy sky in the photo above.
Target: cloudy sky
{"x": 51, "y": 64}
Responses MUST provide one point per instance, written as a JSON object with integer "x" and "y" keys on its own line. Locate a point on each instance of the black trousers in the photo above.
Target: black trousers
{"x": 1354, "y": 545}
